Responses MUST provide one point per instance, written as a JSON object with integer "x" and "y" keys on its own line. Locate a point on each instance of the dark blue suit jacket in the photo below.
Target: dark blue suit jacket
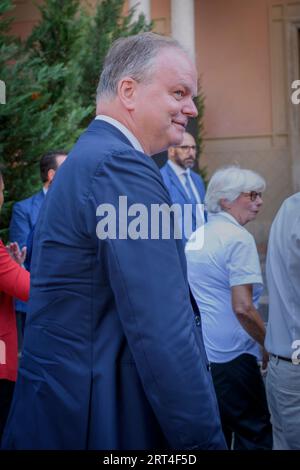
{"x": 24, "y": 217}
{"x": 23, "y": 220}
{"x": 113, "y": 353}
{"x": 177, "y": 192}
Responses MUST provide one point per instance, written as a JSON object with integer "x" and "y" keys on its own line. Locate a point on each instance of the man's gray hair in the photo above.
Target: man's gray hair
{"x": 133, "y": 56}
{"x": 228, "y": 183}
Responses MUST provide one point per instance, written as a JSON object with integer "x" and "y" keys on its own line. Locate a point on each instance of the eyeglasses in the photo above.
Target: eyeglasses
{"x": 253, "y": 195}
{"x": 185, "y": 148}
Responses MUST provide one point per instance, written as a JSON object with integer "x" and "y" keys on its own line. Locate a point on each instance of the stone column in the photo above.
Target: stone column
{"x": 183, "y": 24}
{"x": 141, "y": 6}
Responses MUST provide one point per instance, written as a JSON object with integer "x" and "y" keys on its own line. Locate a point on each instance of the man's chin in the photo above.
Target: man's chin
{"x": 177, "y": 137}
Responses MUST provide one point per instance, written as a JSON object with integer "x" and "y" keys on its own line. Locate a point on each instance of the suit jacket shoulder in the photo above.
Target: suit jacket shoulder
{"x": 24, "y": 217}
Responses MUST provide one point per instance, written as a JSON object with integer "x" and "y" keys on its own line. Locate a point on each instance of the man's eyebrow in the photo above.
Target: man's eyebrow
{"x": 193, "y": 92}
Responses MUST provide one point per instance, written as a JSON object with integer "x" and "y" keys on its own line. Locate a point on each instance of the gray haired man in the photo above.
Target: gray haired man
{"x": 113, "y": 354}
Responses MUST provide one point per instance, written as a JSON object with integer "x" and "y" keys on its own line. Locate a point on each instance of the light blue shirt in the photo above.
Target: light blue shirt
{"x": 228, "y": 258}
{"x": 180, "y": 173}
{"x": 283, "y": 278}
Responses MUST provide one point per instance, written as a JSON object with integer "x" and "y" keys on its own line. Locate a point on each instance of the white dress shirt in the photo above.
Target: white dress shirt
{"x": 228, "y": 258}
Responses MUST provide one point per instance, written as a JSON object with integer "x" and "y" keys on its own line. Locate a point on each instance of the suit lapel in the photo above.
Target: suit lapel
{"x": 176, "y": 182}
{"x": 37, "y": 201}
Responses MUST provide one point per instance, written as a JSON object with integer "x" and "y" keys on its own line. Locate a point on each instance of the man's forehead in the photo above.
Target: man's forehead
{"x": 182, "y": 68}
{"x": 187, "y": 138}
{"x": 175, "y": 57}
{"x": 60, "y": 158}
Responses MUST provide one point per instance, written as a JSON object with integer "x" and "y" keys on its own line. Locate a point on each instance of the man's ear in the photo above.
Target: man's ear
{"x": 51, "y": 174}
{"x": 171, "y": 152}
{"x": 225, "y": 204}
{"x": 127, "y": 92}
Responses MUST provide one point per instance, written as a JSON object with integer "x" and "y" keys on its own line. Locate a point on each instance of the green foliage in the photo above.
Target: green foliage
{"x": 105, "y": 26}
{"x": 55, "y": 37}
{"x": 5, "y": 7}
{"x": 40, "y": 113}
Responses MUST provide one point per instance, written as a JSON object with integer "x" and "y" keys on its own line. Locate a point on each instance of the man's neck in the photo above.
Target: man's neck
{"x": 179, "y": 167}
{"x": 122, "y": 128}
{"x": 114, "y": 110}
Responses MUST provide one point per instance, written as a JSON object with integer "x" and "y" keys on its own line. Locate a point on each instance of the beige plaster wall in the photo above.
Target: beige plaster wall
{"x": 234, "y": 63}
{"x": 161, "y": 15}
{"x": 242, "y": 60}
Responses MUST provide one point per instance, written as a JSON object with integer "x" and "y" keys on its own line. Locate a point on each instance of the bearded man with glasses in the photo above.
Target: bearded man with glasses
{"x": 185, "y": 185}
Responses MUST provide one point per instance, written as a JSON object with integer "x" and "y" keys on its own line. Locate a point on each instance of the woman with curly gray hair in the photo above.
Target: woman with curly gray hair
{"x": 226, "y": 281}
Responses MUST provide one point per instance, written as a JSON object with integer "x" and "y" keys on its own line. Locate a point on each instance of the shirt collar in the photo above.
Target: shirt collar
{"x": 226, "y": 215}
{"x": 178, "y": 169}
{"x": 132, "y": 139}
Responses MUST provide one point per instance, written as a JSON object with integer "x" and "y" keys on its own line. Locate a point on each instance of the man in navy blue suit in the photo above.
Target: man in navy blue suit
{"x": 184, "y": 185}
{"x": 25, "y": 212}
{"x": 113, "y": 354}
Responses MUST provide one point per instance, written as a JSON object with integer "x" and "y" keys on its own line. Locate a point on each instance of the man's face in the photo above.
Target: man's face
{"x": 165, "y": 103}
{"x": 59, "y": 160}
{"x": 185, "y": 153}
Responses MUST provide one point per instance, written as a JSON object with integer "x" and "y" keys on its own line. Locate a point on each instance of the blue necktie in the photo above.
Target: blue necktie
{"x": 189, "y": 189}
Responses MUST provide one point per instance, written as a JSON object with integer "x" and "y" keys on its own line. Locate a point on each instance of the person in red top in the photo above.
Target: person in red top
{"x": 14, "y": 282}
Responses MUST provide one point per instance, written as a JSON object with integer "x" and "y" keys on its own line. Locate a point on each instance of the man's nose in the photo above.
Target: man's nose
{"x": 192, "y": 152}
{"x": 190, "y": 109}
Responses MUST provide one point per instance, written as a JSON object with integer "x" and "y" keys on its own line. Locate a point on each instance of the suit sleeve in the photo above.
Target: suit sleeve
{"x": 19, "y": 227}
{"x": 14, "y": 280}
{"x": 151, "y": 292}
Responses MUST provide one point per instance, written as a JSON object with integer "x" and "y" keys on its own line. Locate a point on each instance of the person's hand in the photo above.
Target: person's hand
{"x": 265, "y": 360}
{"x": 15, "y": 252}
